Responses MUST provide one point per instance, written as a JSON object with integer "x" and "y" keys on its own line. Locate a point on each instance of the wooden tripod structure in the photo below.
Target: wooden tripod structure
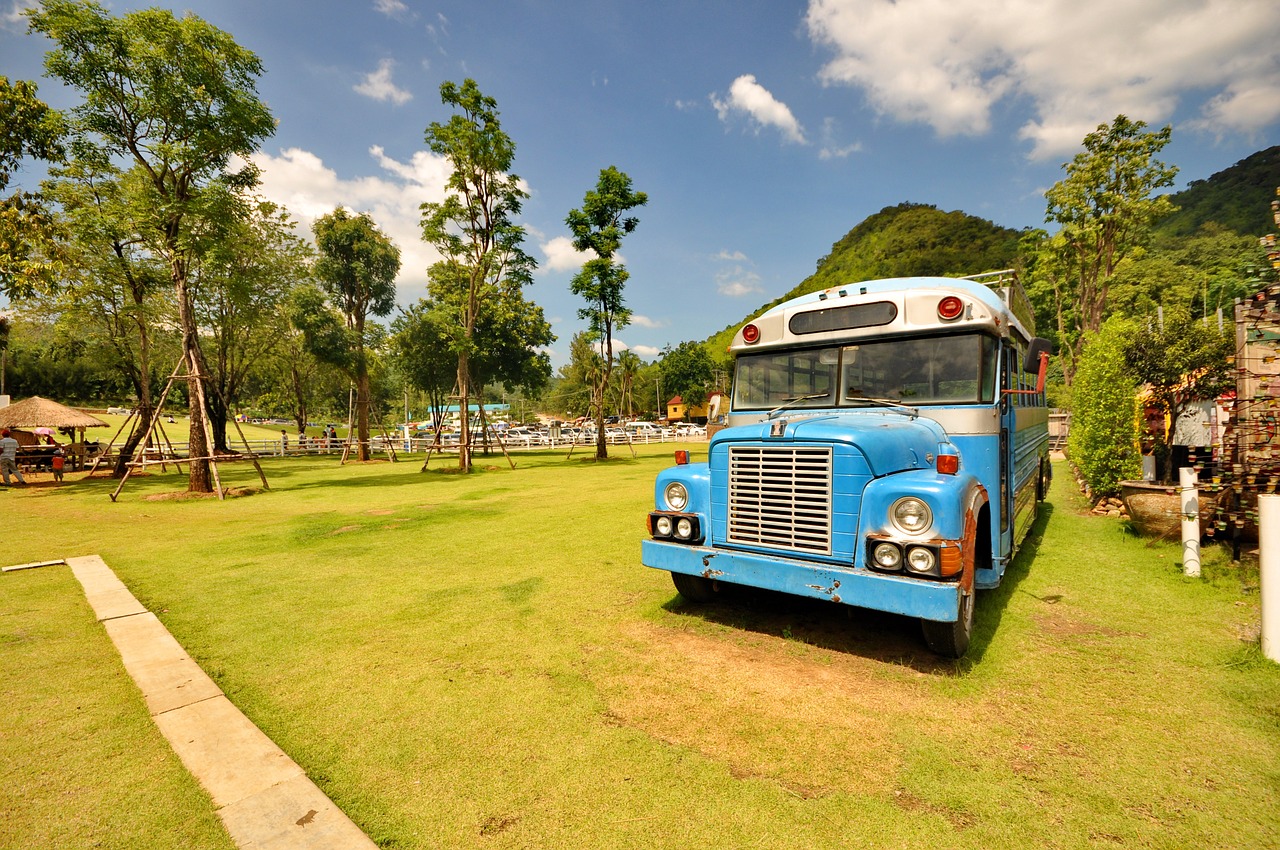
{"x": 382, "y": 429}
{"x": 139, "y": 456}
{"x": 435, "y": 443}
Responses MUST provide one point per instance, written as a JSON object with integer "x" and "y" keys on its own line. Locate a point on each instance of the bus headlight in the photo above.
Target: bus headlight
{"x": 663, "y": 526}
{"x": 684, "y": 528}
{"x": 887, "y": 556}
{"x": 911, "y": 516}
{"x": 676, "y": 496}
{"x": 920, "y": 559}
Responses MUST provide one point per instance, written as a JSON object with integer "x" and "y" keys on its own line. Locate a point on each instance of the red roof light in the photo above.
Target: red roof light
{"x": 950, "y": 308}
{"x": 750, "y": 334}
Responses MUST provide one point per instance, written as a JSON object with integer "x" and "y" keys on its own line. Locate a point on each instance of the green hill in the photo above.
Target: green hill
{"x": 903, "y": 241}
{"x": 1238, "y": 198}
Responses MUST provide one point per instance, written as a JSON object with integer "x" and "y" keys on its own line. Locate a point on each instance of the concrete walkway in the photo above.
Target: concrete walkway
{"x": 263, "y": 797}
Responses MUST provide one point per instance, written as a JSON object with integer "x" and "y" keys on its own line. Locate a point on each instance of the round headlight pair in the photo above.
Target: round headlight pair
{"x": 676, "y": 496}
{"x": 911, "y": 516}
{"x": 919, "y": 559}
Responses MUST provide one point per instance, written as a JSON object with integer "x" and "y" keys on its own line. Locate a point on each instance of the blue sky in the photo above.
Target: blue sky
{"x": 762, "y": 131}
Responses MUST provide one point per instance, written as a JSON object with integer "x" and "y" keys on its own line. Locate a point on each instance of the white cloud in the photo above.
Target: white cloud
{"x": 301, "y": 182}
{"x": 646, "y": 322}
{"x": 947, "y": 63}
{"x": 737, "y": 282}
{"x": 730, "y": 256}
{"x": 13, "y": 19}
{"x": 748, "y": 96}
{"x": 647, "y": 352}
{"x": 562, "y": 256}
{"x": 831, "y": 148}
{"x": 378, "y": 85}
{"x": 390, "y": 8}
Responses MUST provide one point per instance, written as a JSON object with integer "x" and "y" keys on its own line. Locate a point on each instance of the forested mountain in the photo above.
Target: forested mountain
{"x": 919, "y": 239}
{"x": 1238, "y": 198}
{"x": 902, "y": 241}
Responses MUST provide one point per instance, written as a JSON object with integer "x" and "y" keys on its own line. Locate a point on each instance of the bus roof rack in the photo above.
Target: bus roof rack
{"x": 1005, "y": 282}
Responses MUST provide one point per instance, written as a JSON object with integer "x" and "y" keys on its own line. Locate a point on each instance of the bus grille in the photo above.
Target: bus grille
{"x": 780, "y": 497}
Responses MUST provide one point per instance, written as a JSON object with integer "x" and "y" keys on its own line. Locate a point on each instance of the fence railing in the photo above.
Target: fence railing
{"x": 416, "y": 445}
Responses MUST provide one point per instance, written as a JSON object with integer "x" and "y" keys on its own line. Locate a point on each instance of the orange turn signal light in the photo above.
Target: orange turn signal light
{"x": 682, "y": 457}
{"x": 948, "y": 464}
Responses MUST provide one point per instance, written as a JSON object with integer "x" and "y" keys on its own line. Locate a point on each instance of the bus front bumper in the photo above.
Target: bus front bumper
{"x": 910, "y": 597}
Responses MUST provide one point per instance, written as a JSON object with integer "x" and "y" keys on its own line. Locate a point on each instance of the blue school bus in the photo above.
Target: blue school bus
{"x": 886, "y": 448}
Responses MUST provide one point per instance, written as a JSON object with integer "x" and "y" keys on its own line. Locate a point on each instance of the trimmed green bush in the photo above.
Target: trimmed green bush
{"x": 1104, "y": 425}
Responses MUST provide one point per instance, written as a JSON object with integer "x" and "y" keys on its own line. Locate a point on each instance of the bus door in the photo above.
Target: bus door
{"x": 1008, "y": 427}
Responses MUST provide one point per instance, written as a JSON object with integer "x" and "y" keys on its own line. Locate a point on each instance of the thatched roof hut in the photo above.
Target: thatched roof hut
{"x": 37, "y": 412}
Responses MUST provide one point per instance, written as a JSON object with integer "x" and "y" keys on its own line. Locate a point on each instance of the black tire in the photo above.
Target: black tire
{"x": 694, "y": 588}
{"x": 951, "y": 639}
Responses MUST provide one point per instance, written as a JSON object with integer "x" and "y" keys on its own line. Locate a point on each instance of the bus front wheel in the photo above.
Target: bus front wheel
{"x": 951, "y": 639}
{"x": 694, "y": 588}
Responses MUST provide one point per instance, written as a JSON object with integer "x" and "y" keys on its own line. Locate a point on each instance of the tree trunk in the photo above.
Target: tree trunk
{"x": 362, "y": 412}
{"x": 199, "y": 479}
{"x": 217, "y": 410}
{"x": 464, "y": 391}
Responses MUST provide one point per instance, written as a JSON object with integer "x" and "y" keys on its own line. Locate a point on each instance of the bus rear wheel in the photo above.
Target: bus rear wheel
{"x": 951, "y": 639}
{"x": 694, "y": 588}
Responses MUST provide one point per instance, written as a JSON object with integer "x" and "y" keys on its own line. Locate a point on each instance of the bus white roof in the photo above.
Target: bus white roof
{"x": 916, "y": 300}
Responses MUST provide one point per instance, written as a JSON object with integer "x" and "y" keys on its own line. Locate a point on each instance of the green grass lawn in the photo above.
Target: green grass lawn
{"x": 481, "y": 661}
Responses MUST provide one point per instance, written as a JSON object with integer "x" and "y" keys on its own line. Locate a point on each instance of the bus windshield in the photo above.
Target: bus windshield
{"x": 953, "y": 369}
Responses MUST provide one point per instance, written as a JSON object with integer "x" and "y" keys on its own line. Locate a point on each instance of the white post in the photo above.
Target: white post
{"x": 1189, "y": 498}
{"x": 1269, "y": 566}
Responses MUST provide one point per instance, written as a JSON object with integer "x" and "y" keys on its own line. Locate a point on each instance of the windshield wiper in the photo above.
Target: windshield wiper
{"x": 787, "y": 402}
{"x": 885, "y": 402}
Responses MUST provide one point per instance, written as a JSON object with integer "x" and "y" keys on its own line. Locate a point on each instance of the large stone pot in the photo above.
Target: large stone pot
{"x": 1156, "y": 511}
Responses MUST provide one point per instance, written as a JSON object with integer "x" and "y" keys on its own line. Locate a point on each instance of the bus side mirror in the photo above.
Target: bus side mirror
{"x": 1037, "y": 360}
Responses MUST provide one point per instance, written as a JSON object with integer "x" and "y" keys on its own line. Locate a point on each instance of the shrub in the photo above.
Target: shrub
{"x": 1104, "y": 427}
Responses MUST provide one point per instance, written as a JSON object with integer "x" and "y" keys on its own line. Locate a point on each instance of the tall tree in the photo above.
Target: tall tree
{"x": 1105, "y": 209}
{"x": 599, "y": 227}
{"x": 115, "y": 286}
{"x": 629, "y": 364}
{"x": 357, "y": 267}
{"x": 1181, "y": 360}
{"x": 687, "y": 371}
{"x": 244, "y": 281}
{"x": 423, "y": 341}
{"x": 28, "y": 129}
{"x": 474, "y": 227}
{"x": 177, "y": 98}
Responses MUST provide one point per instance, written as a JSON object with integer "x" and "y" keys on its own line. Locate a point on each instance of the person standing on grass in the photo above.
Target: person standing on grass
{"x": 58, "y": 461}
{"x": 9, "y": 458}
{"x": 284, "y": 442}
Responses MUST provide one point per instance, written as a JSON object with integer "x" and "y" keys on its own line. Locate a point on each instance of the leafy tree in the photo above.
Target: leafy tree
{"x": 28, "y": 129}
{"x": 1103, "y": 442}
{"x": 176, "y": 98}
{"x": 1105, "y": 210}
{"x": 115, "y": 288}
{"x": 575, "y": 389}
{"x": 629, "y": 364}
{"x": 423, "y": 346}
{"x": 599, "y": 227}
{"x": 1180, "y": 360}
{"x": 474, "y": 227}
{"x": 357, "y": 267}
{"x": 244, "y": 282}
{"x": 687, "y": 371}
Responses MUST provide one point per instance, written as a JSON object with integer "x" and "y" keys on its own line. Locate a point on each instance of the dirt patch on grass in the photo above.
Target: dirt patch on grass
{"x": 1061, "y": 624}
{"x": 813, "y": 720}
{"x": 231, "y": 493}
